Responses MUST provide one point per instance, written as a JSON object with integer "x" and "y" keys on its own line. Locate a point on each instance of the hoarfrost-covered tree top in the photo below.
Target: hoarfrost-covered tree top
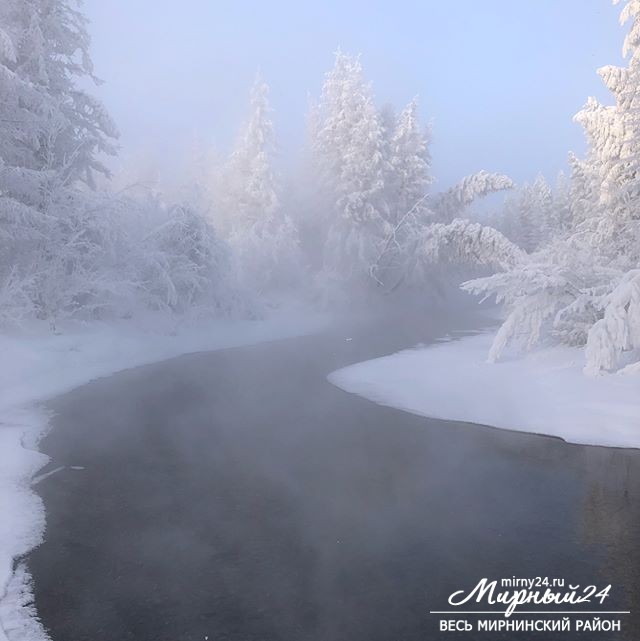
{"x": 261, "y": 233}
{"x": 350, "y": 141}
{"x": 609, "y": 174}
{"x": 410, "y": 163}
{"x": 252, "y": 190}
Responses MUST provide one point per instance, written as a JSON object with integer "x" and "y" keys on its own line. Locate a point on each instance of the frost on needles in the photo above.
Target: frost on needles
{"x": 358, "y": 220}
{"x": 582, "y": 287}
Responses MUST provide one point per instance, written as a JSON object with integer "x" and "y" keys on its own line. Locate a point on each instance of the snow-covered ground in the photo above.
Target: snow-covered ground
{"x": 35, "y": 366}
{"x": 545, "y": 392}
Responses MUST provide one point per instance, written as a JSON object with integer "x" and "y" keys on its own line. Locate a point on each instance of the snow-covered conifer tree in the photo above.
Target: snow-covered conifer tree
{"x": 52, "y": 134}
{"x": 378, "y": 186}
{"x": 183, "y": 265}
{"x": 198, "y": 187}
{"x": 505, "y": 218}
{"x": 410, "y": 163}
{"x": 350, "y": 147}
{"x": 543, "y": 210}
{"x": 562, "y": 215}
{"x": 253, "y": 187}
{"x": 49, "y": 123}
{"x": 584, "y": 289}
{"x": 261, "y": 233}
{"x": 528, "y": 220}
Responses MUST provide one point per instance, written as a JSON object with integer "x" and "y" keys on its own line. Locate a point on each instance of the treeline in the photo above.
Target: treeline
{"x": 364, "y": 221}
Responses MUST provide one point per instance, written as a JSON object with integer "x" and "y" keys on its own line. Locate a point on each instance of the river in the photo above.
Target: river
{"x": 237, "y": 495}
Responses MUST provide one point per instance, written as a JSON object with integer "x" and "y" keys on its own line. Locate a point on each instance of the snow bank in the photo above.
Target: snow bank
{"x": 21, "y": 516}
{"x": 544, "y": 393}
{"x": 35, "y": 366}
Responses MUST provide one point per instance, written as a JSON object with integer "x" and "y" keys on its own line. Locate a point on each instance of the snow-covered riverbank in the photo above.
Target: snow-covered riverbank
{"x": 545, "y": 392}
{"x": 35, "y": 366}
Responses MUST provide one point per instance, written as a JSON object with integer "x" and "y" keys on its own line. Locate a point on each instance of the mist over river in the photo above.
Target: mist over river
{"x": 264, "y": 503}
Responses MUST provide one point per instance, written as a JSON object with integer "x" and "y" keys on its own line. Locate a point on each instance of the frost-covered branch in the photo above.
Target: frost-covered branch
{"x": 618, "y": 331}
{"x": 465, "y": 242}
{"x": 583, "y": 287}
{"x": 451, "y": 203}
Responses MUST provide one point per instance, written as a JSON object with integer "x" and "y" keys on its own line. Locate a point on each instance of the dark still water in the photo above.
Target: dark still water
{"x": 238, "y": 495}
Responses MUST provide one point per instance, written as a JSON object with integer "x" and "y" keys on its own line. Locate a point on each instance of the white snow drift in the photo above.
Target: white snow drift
{"x": 545, "y": 393}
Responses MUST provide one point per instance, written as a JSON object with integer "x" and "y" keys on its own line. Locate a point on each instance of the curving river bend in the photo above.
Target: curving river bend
{"x": 237, "y": 495}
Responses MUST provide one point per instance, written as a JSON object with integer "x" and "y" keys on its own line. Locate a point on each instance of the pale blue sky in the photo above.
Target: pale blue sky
{"x": 501, "y": 79}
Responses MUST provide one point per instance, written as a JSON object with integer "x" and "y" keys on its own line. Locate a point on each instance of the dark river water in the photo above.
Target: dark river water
{"x": 238, "y": 495}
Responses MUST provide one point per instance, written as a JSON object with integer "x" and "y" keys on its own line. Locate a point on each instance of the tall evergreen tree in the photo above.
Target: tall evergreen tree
{"x": 262, "y": 234}
{"x": 611, "y": 171}
{"x": 350, "y": 149}
{"x": 252, "y": 184}
{"x": 52, "y": 136}
{"x": 49, "y": 123}
{"x": 561, "y": 206}
{"x": 410, "y": 162}
{"x": 543, "y": 210}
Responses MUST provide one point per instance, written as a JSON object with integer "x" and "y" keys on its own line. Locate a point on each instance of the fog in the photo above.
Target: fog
{"x": 261, "y": 502}
{"x": 312, "y": 315}
{"x": 501, "y": 81}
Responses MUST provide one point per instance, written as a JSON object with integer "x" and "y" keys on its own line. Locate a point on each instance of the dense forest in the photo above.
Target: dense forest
{"x": 364, "y": 223}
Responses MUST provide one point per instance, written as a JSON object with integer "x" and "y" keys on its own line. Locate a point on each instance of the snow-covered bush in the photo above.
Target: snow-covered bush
{"x": 76, "y": 270}
{"x": 553, "y": 293}
{"x": 109, "y": 255}
{"x": 182, "y": 266}
{"x": 16, "y": 301}
{"x": 562, "y": 293}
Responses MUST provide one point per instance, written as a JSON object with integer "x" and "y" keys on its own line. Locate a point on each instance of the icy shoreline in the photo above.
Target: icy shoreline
{"x": 544, "y": 393}
{"x": 37, "y": 366}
